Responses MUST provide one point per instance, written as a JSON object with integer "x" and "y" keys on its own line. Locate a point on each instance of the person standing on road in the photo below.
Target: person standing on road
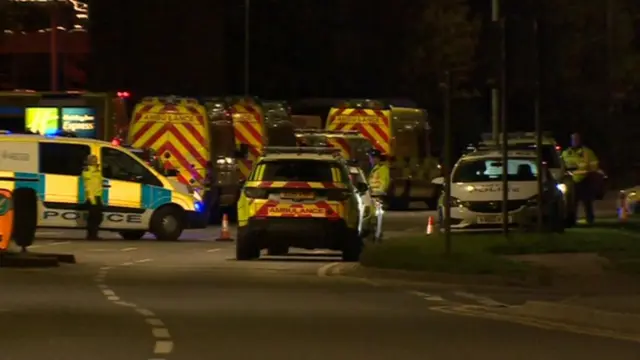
{"x": 92, "y": 177}
{"x": 379, "y": 178}
{"x": 583, "y": 164}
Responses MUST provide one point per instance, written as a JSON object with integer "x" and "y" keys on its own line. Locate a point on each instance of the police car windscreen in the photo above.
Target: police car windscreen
{"x": 299, "y": 170}
{"x": 549, "y": 154}
{"x": 490, "y": 170}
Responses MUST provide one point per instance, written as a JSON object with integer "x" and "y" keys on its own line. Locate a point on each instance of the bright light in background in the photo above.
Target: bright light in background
{"x": 80, "y": 7}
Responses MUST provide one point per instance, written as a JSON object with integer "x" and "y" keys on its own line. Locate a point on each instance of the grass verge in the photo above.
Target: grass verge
{"x": 482, "y": 254}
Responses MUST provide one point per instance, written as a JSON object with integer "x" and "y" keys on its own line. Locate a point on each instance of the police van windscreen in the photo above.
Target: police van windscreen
{"x": 490, "y": 170}
{"x": 550, "y": 155}
{"x": 301, "y": 170}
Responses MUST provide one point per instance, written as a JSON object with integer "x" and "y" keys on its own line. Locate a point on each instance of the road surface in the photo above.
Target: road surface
{"x": 190, "y": 300}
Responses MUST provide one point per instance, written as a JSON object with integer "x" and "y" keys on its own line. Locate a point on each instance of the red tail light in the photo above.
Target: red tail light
{"x": 116, "y": 142}
{"x": 123, "y": 94}
{"x": 558, "y": 147}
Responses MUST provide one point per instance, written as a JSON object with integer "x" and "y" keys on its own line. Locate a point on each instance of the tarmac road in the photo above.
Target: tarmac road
{"x": 190, "y": 300}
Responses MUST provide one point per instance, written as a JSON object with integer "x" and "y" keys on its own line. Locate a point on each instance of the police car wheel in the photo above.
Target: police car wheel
{"x": 167, "y": 223}
{"x": 25, "y": 210}
{"x": 246, "y": 247}
{"x": 132, "y": 235}
{"x": 352, "y": 249}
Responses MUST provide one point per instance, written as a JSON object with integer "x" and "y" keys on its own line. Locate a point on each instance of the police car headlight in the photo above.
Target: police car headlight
{"x": 562, "y": 188}
{"x": 197, "y": 196}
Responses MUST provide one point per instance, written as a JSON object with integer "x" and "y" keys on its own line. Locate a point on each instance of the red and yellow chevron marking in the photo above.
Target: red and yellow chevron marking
{"x": 248, "y": 126}
{"x": 341, "y": 143}
{"x": 180, "y": 130}
{"x": 295, "y": 185}
{"x": 372, "y": 124}
{"x": 285, "y": 209}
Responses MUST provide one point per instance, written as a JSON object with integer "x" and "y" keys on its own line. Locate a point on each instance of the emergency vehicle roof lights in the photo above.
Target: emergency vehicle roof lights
{"x": 517, "y": 135}
{"x": 123, "y": 94}
{"x": 300, "y": 150}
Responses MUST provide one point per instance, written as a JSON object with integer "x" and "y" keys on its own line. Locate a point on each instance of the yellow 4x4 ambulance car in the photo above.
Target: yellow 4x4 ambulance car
{"x": 136, "y": 197}
{"x": 299, "y": 197}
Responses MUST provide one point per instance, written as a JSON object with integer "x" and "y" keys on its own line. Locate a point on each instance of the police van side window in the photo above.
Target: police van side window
{"x": 63, "y": 159}
{"x": 117, "y": 165}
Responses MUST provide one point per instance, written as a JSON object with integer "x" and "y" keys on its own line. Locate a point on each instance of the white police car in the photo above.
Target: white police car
{"x": 476, "y": 192}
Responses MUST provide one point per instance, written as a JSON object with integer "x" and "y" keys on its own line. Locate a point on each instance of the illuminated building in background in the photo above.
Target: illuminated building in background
{"x": 34, "y": 56}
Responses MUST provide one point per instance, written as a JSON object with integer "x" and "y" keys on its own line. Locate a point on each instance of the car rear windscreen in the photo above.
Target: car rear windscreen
{"x": 300, "y": 170}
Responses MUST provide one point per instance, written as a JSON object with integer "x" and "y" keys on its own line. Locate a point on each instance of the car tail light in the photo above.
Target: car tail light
{"x": 338, "y": 195}
{"x": 255, "y": 193}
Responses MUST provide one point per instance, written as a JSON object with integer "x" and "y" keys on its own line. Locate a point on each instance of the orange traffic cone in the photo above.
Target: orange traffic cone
{"x": 224, "y": 231}
{"x": 430, "y": 226}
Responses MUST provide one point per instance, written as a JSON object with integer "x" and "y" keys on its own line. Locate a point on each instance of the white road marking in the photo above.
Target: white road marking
{"x": 163, "y": 347}
{"x": 48, "y": 233}
{"x": 128, "y": 249}
{"x": 160, "y": 333}
{"x": 145, "y": 312}
{"x": 426, "y": 296}
{"x": 60, "y": 243}
{"x": 124, "y": 303}
{"x": 158, "y": 329}
{"x": 325, "y": 270}
{"x": 154, "y": 322}
{"x": 213, "y": 250}
{"x": 480, "y": 299}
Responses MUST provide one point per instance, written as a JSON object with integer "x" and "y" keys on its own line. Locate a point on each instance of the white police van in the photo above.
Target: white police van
{"x": 476, "y": 192}
{"x": 136, "y": 198}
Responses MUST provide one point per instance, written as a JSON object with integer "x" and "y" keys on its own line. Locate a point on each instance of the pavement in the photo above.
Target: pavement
{"x": 191, "y": 300}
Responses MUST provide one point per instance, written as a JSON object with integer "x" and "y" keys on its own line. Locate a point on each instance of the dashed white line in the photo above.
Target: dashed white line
{"x": 163, "y": 344}
{"x": 60, "y": 243}
{"x": 480, "y": 299}
{"x": 160, "y": 333}
{"x": 128, "y": 249}
{"x": 163, "y": 347}
{"x": 145, "y": 312}
{"x": 426, "y": 296}
{"x": 154, "y": 322}
{"x": 213, "y": 250}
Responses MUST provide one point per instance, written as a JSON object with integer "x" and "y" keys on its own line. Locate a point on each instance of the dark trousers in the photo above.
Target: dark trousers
{"x": 584, "y": 193}
{"x": 94, "y": 218}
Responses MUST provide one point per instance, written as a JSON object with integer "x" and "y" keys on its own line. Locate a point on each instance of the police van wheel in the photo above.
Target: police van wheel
{"x": 167, "y": 223}
{"x": 25, "y": 214}
{"x": 132, "y": 235}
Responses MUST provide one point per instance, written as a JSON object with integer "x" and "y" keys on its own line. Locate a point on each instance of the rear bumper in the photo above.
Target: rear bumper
{"x": 196, "y": 220}
{"x": 300, "y": 233}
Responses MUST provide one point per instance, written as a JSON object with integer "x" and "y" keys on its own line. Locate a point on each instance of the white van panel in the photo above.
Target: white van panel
{"x": 19, "y": 156}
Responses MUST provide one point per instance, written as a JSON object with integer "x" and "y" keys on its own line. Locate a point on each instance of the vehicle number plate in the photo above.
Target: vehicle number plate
{"x": 298, "y": 196}
{"x": 491, "y": 219}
